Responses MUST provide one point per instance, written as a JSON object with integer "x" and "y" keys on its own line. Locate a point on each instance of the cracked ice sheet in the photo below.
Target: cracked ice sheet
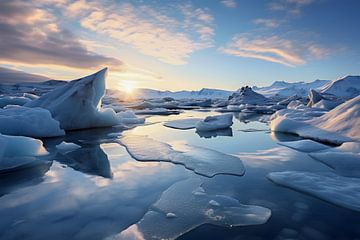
{"x": 304, "y": 145}
{"x": 335, "y": 189}
{"x": 183, "y": 124}
{"x": 190, "y": 206}
{"x": 204, "y": 161}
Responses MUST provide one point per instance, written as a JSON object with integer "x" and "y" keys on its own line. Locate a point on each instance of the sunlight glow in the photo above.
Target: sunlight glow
{"x": 127, "y": 86}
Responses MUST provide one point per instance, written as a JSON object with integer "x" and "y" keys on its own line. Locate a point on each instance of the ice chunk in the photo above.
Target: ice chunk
{"x": 304, "y": 145}
{"x": 338, "y": 190}
{"x": 337, "y": 126}
{"x": 246, "y": 95}
{"x": 76, "y": 105}
{"x": 67, "y": 147}
{"x": 32, "y": 122}
{"x": 13, "y": 146}
{"x": 211, "y": 123}
{"x": 203, "y": 161}
{"x": 129, "y": 118}
{"x": 12, "y": 100}
{"x": 183, "y": 123}
{"x": 191, "y": 211}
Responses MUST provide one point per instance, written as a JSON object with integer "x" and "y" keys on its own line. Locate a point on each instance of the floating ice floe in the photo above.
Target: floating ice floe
{"x": 32, "y": 122}
{"x": 192, "y": 208}
{"x": 67, "y": 147}
{"x": 305, "y": 145}
{"x": 336, "y": 126}
{"x": 203, "y": 161}
{"x": 211, "y": 123}
{"x": 77, "y": 104}
{"x": 338, "y": 190}
{"x": 344, "y": 159}
{"x": 13, "y": 100}
{"x": 129, "y": 118}
{"x": 183, "y": 124}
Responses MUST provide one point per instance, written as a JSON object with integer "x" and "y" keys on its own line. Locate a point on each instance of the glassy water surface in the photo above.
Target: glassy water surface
{"x": 99, "y": 190}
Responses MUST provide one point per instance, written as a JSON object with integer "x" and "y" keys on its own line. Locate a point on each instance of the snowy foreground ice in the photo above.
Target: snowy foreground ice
{"x": 185, "y": 206}
{"x": 342, "y": 191}
{"x": 212, "y": 123}
{"x": 201, "y": 160}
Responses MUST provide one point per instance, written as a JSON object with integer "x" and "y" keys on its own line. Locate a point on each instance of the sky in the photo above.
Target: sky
{"x": 174, "y": 45}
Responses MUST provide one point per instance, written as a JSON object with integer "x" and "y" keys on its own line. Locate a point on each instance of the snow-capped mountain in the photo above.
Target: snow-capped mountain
{"x": 287, "y": 89}
{"x": 10, "y": 76}
{"x": 246, "y": 95}
{"x": 346, "y": 87}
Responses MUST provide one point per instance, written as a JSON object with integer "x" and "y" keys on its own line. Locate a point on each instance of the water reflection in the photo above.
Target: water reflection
{"x": 227, "y": 132}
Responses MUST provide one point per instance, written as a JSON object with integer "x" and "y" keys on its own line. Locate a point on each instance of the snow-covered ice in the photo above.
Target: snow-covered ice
{"x": 246, "y": 95}
{"x": 184, "y": 124}
{"x": 305, "y": 145}
{"x": 129, "y": 118}
{"x": 336, "y": 126}
{"x": 211, "y": 123}
{"x": 192, "y": 210}
{"x": 67, "y": 147}
{"x": 13, "y": 100}
{"x": 203, "y": 161}
{"x": 14, "y": 146}
{"x": 341, "y": 191}
{"x": 346, "y": 87}
{"x": 32, "y": 122}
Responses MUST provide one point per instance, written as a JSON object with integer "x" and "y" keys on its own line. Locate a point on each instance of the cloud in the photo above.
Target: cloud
{"x": 169, "y": 33}
{"x": 30, "y": 35}
{"x": 292, "y": 7}
{"x": 229, "y": 3}
{"x": 269, "y": 23}
{"x": 273, "y": 49}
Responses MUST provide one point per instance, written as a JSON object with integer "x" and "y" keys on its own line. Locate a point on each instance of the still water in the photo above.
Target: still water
{"x": 99, "y": 190}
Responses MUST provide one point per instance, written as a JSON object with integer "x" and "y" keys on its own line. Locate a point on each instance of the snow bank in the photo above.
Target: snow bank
{"x": 211, "y": 123}
{"x": 190, "y": 206}
{"x": 337, "y": 126}
{"x": 32, "y": 122}
{"x": 347, "y": 87}
{"x": 76, "y": 105}
{"x": 338, "y": 190}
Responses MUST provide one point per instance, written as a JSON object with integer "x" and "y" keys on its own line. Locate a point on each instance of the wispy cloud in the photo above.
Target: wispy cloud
{"x": 151, "y": 31}
{"x": 30, "y": 35}
{"x": 273, "y": 49}
{"x": 269, "y": 23}
{"x": 292, "y": 7}
{"x": 229, "y": 3}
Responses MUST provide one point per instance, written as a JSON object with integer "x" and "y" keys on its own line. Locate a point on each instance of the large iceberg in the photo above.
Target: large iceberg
{"x": 77, "y": 104}
{"x": 212, "y": 123}
{"x": 347, "y": 87}
{"x": 32, "y": 122}
{"x": 246, "y": 95}
{"x": 336, "y": 126}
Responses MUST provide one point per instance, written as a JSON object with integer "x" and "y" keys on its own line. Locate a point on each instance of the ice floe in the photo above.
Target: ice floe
{"x": 305, "y": 145}
{"x": 192, "y": 210}
{"x": 32, "y": 122}
{"x": 184, "y": 124}
{"x": 211, "y": 123}
{"x": 203, "y": 161}
{"x": 67, "y": 147}
{"x": 13, "y": 100}
{"x": 339, "y": 190}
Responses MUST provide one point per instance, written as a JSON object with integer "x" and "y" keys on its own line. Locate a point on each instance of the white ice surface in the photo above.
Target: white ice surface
{"x": 184, "y": 124}
{"x": 33, "y": 122}
{"x": 12, "y": 100}
{"x": 305, "y": 145}
{"x": 203, "y": 161}
{"x": 341, "y": 191}
{"x": 211, "y": 123}
{"x": 192, "y": 210}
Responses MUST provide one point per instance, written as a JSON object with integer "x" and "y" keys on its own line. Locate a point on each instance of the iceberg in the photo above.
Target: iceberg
{"x": 211, "y": 123}
{"x": 336, "y": 126}
{"x": 246, "y": 95}
{"x": 77, "y": 104}
{"x": 203, "y": 161}
{"x": 346, "y": 87}
{"x": 183, "y": 124}
{"x": 335, "y": 189}
{"x": 185, "y": 206}
{"x": 33, "y": 122}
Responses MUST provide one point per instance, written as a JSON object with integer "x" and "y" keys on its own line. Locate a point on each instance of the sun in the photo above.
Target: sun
{"x": 127, "y": 87}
